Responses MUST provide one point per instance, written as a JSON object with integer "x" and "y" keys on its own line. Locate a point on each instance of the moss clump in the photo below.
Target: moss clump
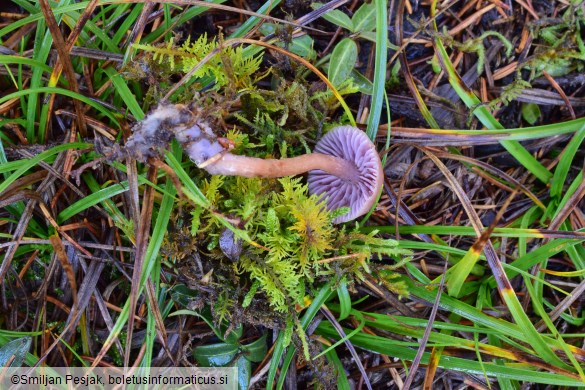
{"x": 291, "y": 242}
{"x": 225, "y": 67}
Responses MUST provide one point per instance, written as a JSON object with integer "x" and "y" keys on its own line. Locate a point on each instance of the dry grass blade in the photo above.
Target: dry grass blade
{"x": 138, "y": 28}
{"x": 544, "y": 97}
{"x": 61, "y": 254}
{"x": 63, "y": 51}
{"x": 371, "y": 284}
{"x": 471, "y": 20}
{"x": 19, "y": 184}
{"x": 558, "y": 88}
{"x": 569, "y": 207}
{"x": 86, "y": 290}
{"x": 563, "y": 305}
{"x": 78, "y": 28}
{"x": 497, "y": 173}
{"x": 528, "y": 8}
{"x": 406, "y": 70}
{"x": 425, "y": 339}
{"x": 160, "y": 324}
{"x": 215, "y": 6}
{"x": 17, "y": 236}
{"x": 53, "y": 222}
{"x": 142, "y": 236}
{"x": 327, "y": 313}
{"x": 316, "y": 14}
{"x": 95, "y": 124}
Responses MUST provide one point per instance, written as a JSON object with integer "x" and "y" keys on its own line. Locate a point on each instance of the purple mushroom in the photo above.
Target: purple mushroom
{"x": 359, "y": 187}
{"x": 345, "y": 166}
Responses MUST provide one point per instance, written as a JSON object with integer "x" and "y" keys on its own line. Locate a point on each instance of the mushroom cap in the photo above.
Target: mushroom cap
{"x": 359, "y": 193}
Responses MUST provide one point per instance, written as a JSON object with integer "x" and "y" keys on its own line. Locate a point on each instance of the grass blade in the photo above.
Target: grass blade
{"x": 377, "y": 99}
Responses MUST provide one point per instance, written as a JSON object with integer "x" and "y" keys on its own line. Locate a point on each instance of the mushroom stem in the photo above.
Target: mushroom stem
{"x": 345, "y": 166}
{"x": 233, "y": 165}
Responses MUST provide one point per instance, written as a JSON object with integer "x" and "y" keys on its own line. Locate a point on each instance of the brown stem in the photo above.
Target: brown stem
{"x": 233, "y": 165}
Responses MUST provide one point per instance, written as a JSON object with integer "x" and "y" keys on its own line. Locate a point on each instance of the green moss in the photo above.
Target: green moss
{"x": 226, "y": 66}
{"x": 293, "y": 243}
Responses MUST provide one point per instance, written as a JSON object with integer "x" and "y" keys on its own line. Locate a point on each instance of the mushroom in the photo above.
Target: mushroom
{"x": 345, "y": 166}
{"x": 361, "y": 184}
